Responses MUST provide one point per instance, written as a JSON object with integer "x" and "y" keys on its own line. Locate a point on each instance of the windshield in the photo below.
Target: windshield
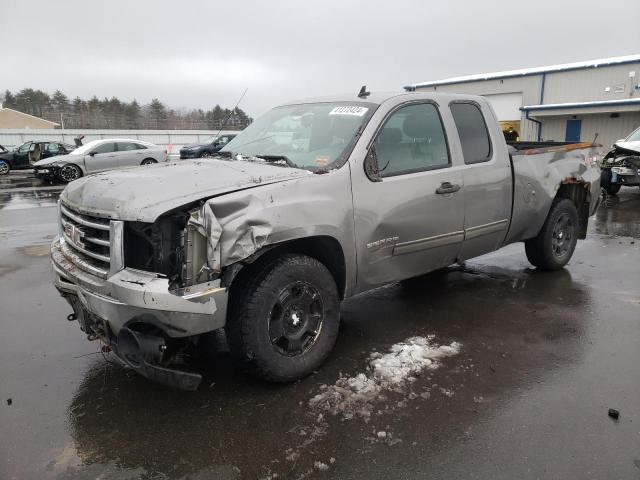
{"x": 314, "y": 135}
{"x": 634, "y": 137}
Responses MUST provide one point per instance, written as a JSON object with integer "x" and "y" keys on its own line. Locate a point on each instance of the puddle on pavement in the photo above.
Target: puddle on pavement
{"x": 30, "y": 199}
{"x": 40, "y": 250}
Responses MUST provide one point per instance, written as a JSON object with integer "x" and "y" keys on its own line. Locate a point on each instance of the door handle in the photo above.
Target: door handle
{"x": 446, "y": 187}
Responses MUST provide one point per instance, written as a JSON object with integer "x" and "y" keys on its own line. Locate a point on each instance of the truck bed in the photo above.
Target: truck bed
{"x": 540, "y": 169}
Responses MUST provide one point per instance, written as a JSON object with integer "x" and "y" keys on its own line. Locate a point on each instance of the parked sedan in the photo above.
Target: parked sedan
{"x": 27, "y": 154}
{"x": 98, "y": 156}
{"x": 206, "y": 149}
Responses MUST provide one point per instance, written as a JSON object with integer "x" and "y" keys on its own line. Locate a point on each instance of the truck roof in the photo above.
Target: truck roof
{"x": 381, "y": 97}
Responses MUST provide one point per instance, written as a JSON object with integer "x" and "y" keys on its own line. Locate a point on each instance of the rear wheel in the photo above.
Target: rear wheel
{"x": 205, "y": 154}
{"x": 148, "y": 161}
{"x": 4, "y": 167}
{"x": 284, "y": 318}
{"x": 70, "y": 172}
{"x": 556, "y": 242}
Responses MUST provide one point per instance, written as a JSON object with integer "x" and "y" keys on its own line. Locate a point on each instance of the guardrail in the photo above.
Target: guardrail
{"x": 176, "y": 138}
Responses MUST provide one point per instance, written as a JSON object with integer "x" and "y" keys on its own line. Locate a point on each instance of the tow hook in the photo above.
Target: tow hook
{"x": 91, "y": 337}
{"x": 72, "y": 317}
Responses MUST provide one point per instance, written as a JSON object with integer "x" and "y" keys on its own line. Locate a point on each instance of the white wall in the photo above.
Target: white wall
{"x": 609, "y": 129}
{"x": 177, "y": 138}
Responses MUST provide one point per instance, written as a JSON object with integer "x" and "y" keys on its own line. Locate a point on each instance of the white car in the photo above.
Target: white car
{"x": 98, "y": 156}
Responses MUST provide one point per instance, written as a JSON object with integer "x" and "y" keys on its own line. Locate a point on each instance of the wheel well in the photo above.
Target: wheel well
{"x": 325, "y": 249}
{"x": 149, "y": 158}
{"x": 578, "y": 193}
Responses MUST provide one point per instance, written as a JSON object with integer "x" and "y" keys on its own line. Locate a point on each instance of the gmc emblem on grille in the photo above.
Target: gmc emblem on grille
{"x": 74, "y": 234}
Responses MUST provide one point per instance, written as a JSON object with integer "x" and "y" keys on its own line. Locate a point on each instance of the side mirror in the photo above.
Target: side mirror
{"x": 91, "y": 154}
{"x": 371, "y": 167}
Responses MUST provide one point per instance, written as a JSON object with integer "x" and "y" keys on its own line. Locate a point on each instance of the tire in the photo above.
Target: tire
{"x": 605, "y": 182}
{"x": 69, "y": 173}
{"x": 613, "y": 188}
{"x": 554, "y": 246}
{"x": 5, "y": 167}
{"x": 148, "y": 161}
{"x": 284, "y": 318}
{"x": 205, "y": 154}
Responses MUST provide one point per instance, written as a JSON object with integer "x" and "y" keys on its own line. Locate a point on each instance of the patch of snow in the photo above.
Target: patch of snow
{"x": 321, "y": 466}
{"x": 392, "y": 371}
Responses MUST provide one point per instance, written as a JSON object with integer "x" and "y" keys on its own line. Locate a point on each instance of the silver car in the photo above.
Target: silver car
{"x": 98, "y": 156}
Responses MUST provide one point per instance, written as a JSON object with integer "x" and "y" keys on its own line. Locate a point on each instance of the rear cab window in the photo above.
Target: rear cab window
{"x": 412, "y": 140}
{"x": 472, "y": 131}
{"x": 128, "y": 146}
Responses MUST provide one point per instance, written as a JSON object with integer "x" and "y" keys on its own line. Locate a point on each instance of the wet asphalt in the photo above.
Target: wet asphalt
{"x": 543, "y": 358}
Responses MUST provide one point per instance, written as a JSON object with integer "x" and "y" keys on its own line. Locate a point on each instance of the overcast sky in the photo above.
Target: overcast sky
{"x": 199, "y": 53}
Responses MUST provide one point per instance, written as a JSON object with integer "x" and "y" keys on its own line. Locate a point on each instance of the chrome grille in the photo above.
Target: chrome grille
{"x": 87, "y": 241}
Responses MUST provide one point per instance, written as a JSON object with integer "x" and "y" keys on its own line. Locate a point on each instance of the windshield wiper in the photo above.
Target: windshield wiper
{"x": 277, "y": 158}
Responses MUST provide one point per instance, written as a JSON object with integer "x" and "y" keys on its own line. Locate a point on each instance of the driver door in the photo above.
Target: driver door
{"x": 21, "y": 156}
{"x": 409, "y": 219}
{"x": 102, "y": 157}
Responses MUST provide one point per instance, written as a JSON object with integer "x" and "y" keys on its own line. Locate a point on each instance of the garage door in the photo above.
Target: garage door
{"x": 506, "y": 105}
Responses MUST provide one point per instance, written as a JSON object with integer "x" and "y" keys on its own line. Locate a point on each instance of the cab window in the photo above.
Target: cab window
{"x": 473, "y": 133}
{"x": 128, "y": 146}
{"x": 104, "y": 148}
{"x": 53, "y": 147}
{"x": 412, "y": 140}
{"x": 24, "y": 148}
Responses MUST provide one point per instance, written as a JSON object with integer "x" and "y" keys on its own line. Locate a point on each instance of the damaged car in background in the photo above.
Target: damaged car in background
{"x": 621, "y": 166}
{"x": 99, "y": 156}
{"x": 313, "y": 203}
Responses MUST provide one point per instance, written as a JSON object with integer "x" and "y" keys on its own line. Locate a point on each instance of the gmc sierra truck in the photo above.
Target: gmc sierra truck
{"x": 314, "y": 202}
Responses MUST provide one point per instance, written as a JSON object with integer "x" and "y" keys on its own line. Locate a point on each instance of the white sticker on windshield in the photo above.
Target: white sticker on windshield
{"x": 349, "y": 110}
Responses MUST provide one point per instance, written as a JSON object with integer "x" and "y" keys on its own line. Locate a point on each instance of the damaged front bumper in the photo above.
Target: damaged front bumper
{"x": 115, "y": 308}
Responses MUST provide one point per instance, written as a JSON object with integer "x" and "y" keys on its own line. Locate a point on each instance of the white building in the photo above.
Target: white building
{"x": 569, "y": 102}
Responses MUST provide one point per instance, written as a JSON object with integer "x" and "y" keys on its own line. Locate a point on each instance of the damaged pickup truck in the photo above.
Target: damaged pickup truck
{"x": 621, "y": 166}
{"x": 314, "y": 202}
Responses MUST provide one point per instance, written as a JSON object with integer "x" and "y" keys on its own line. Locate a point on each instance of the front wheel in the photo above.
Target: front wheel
{"x": 284, "y": 318}
{"x": 4, "y": 167}
{"x": 148, "y": 161}
{"x": 205, "y": 154}
{"x": 70, "y": 172}
{"x": 553, "y": 247}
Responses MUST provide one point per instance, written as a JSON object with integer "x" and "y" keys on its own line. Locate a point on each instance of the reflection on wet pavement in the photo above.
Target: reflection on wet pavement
{"x": 542, "y": 357}
{"x": 619, "y": 216}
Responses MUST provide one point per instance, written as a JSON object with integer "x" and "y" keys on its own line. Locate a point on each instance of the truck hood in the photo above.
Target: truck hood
{"x": 144, "y": 193}
{"x": 629, "y": 147}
